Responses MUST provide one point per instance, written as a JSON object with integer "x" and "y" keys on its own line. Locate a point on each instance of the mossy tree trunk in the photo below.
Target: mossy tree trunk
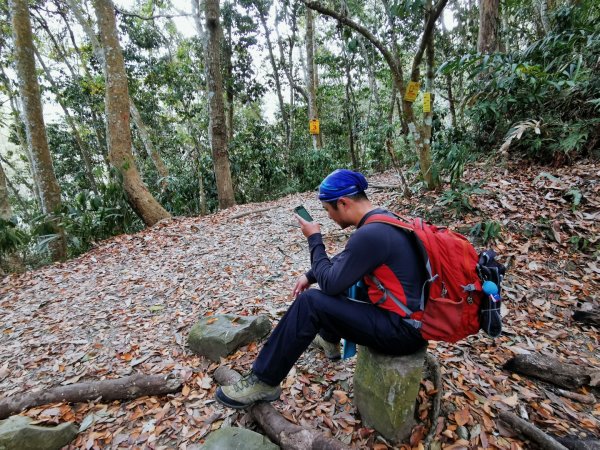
{"x": 217, "y": 128}
{"x": 33, "y": 117}
{"x": 117, "y": 118}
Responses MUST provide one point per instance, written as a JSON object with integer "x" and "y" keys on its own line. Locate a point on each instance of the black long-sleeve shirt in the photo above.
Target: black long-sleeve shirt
{"x": 368, "y": 248}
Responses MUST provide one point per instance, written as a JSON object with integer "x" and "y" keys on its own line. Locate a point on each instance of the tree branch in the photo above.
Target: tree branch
{"x": 385, "y": 52}
{"x": 433, "y": 17}
{"x": 158, "y": 16}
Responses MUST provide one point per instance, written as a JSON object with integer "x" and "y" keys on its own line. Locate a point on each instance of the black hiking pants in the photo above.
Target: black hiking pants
{"x": 333, "y": 318}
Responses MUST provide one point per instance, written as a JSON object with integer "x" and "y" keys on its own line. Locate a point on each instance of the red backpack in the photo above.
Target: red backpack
{"x": 453, "y": 303}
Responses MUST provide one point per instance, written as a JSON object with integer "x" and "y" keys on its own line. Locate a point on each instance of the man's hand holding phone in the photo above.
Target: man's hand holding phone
{"x": 307, "y": 225}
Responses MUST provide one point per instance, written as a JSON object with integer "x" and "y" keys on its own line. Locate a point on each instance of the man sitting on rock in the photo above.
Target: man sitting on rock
{"x": 325, "y": 316}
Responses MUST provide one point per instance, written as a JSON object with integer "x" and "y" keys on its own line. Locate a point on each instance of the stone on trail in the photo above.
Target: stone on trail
{"x": 385, "y": 391}
{"x": 231, "y": 438}
{"x": 18, "y": 433}
{"x": 219, "y": 335}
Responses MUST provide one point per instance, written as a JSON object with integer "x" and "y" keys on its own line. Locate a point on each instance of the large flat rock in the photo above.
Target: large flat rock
{"x": 219, "y": 335}
{"x": 18, "y": 433}
{"x": 231, "y": 438}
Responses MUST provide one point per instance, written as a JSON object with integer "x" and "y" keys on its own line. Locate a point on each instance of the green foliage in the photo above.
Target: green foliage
{"x": 88, "y": 218}
{"x": 12, "y": 237}
{"x": 542, "y": 101}
{"x": 453, "y": 148}
{"x": 487, "y": 231}
{"x": 458, "y": 198}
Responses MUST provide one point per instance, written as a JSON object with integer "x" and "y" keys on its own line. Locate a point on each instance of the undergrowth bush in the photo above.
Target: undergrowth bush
{"x": 542, "y": 102}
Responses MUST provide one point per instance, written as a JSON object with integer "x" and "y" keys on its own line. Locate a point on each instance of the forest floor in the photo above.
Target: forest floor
{"x": 127, "y": 306}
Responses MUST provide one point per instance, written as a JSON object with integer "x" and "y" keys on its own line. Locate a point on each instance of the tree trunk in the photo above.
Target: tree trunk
{"x": 262, "y": 15}
{"x": 125, "y": 388}
{"x": 348, "y": 111}
{"x": 398, "y": 67}
{"x": 34, "y": 123}
{"x": 426, "y": 129}
{"x": 18, "y": 122}
{"x": 163, "y": 172}
{"x": 313, "y": 113}
{"x": 229, "y": 93}
{"x": 217, "y": 129}
{"x": 451, "y": 100}
{"x": 487, "y": 40}
{"x": 137, "y": 118}
{"x": 543, "y": 7}
{"x": 117, "y": 119}
{"x": 5, "y": 209}
{"x": 83, "y": 148}
{"x": 389, "y": 143}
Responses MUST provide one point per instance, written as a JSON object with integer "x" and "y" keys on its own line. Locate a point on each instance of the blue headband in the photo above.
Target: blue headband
{"x": 342, "y": 183}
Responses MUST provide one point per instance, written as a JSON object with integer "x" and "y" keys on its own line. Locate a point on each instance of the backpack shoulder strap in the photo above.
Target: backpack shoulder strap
{"x": 395, "y": 221}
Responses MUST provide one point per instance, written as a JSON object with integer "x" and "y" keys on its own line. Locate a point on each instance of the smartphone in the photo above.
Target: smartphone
{"x": 302, "y": 212}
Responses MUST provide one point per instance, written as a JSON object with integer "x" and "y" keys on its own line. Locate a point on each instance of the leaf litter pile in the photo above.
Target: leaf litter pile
{"x": 126, "y": 307}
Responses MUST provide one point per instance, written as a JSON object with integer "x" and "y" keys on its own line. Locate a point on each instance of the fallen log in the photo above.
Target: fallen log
{"x": 531, "y": 432}
{"x": 578, "y": 443}
{"x": 284, "y": 433}
{"x": 550, "y": 369}
{"x": 588, "y": 317}
{"x": 433, "y": 368}
{"x": 125, "y": 388}
{"x": 588, "y": 399}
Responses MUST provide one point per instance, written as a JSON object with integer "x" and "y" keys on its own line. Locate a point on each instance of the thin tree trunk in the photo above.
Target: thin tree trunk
{"x": 389, "y": 143}
{"x": 426, "y": 129}
{"x": 196, "y": 12}
{"x": 451, "y": 100}
{"x": 34, "y": 123}
{"x": 348, "y": 111}
{"x": 117, "y": 119}
{"x": 163, "y": 172}
{"x": 20, "y": 136}
{"x": 313, "y": 113}
{"x": 397, "y": 56}
{"x": 217, "y": 129}
{"x": 262, "y": 16}
{"x": 487, "y": 40}
{"x": 543, "y": 7}
{"x": 83, "y": 148}
{"x": 95, "y": 123}
{"x": 229, "y": 93}
{"x": 20, "y": 201}
{"x": 5, "y": 209}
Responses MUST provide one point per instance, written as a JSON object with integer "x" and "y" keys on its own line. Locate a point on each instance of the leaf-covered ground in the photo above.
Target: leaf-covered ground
{"x": 127, "y": 307}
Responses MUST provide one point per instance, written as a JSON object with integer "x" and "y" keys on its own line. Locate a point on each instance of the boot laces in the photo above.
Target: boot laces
{"x": 245, "y": 383}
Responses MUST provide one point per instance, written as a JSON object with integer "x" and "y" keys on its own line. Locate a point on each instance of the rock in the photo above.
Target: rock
{"x": 385, "y": 391}
{"x": 231, "y": 438}
{"x": 17, "y": 433}
{"x": 220, "y": 335}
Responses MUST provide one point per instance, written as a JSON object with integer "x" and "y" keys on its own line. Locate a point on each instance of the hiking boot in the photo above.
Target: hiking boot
{"x": 331, "y": 350}
{"x": 247, "y": 391}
